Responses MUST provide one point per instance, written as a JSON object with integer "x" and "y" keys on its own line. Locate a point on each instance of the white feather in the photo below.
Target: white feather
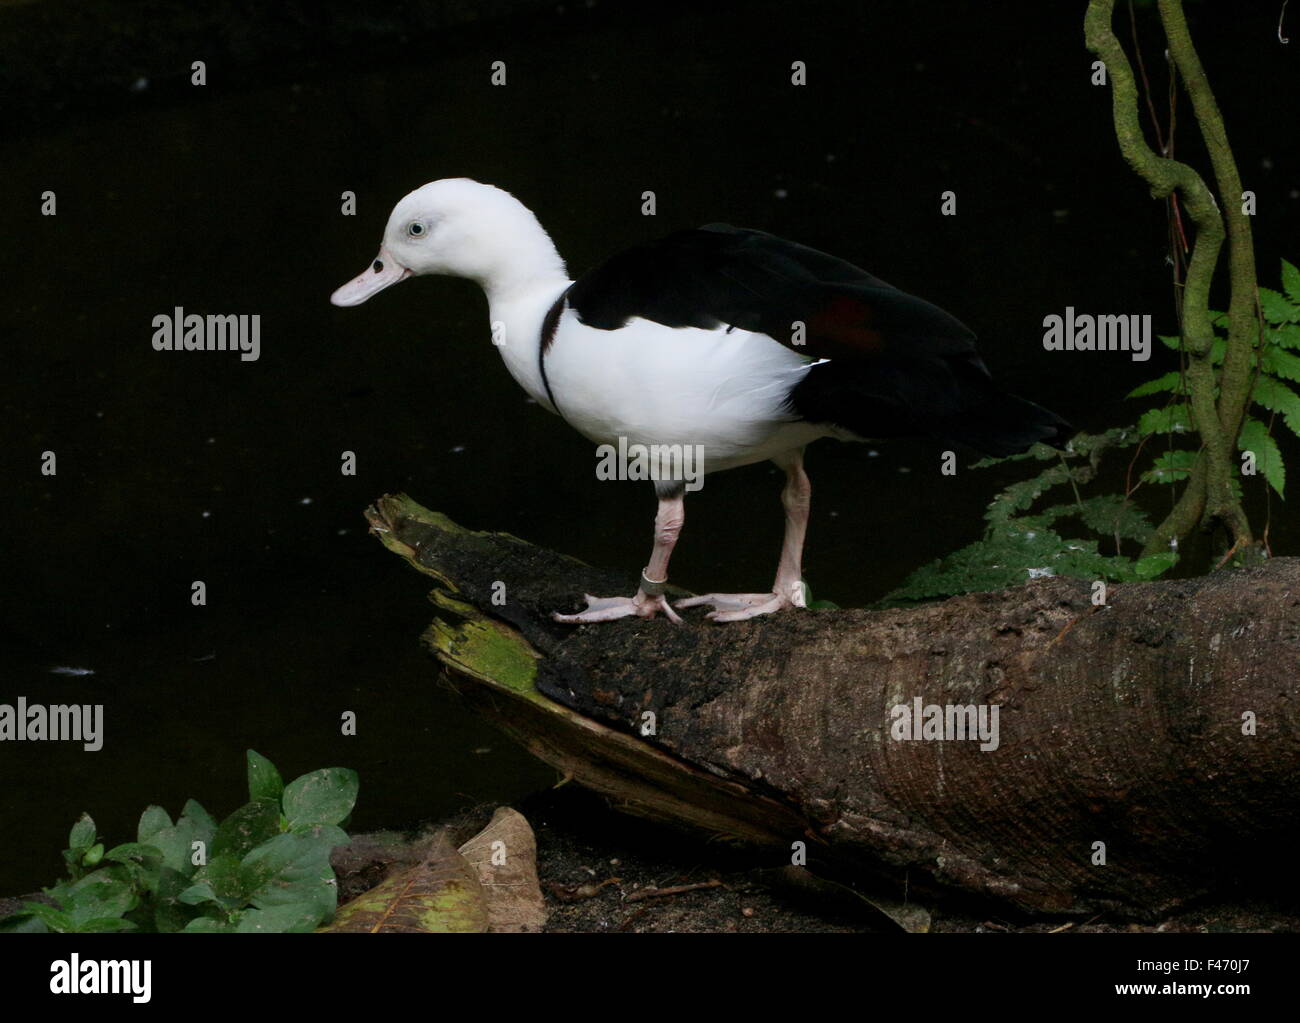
{"x": 651, "y": 384}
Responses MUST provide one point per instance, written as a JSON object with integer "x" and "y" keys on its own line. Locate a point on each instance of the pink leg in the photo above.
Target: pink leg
{"x": 787, "y": 591}
{"x": 796, "y": 498}
{"x": 649, "y": 597}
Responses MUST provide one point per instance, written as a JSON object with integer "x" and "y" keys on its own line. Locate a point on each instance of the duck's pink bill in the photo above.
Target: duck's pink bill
{"x": 380, "y": 274}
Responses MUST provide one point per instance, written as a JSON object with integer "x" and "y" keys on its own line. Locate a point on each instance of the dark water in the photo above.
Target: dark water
{"x": 177, "y": 467}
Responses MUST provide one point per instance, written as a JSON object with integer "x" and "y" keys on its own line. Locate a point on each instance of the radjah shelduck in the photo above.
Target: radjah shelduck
{"x": 732, "y": 342}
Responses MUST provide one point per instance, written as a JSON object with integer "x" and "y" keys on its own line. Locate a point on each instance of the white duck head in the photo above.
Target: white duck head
{"x": 460, "y": 228}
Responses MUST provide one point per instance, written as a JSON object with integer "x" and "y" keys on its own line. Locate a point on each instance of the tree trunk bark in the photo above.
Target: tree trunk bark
{"x": 1146, "y": 750}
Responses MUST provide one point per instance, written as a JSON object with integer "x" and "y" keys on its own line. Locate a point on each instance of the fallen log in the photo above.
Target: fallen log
{"x": 1134, "y": 754}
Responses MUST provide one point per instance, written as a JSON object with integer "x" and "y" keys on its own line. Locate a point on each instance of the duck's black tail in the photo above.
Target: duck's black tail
{"x": 952, "y": 399}
{"x": 1003, "y": 424}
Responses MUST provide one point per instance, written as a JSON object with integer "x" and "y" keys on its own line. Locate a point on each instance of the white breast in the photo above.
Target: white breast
{"x": 652, "y": 384}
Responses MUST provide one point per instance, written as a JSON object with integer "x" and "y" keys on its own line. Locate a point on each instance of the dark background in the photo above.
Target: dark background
{"x": 225, "y": 199}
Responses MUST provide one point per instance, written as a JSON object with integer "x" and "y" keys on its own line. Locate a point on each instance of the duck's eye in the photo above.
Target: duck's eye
{"x": 415, "y": 229}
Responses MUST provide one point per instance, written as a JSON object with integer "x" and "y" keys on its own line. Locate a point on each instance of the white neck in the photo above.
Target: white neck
{"x": 526, "y": 268}
{"x": 511, "y": 253}
{"x": 517, "y": 308}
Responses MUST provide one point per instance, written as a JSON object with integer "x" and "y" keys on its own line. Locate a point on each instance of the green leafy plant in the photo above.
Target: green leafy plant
{"x": 1024, "y": 539}
{"x": 266, "y": 867}
{"x": 1027, "y": 538}
{"x": 1276, "y": 365}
